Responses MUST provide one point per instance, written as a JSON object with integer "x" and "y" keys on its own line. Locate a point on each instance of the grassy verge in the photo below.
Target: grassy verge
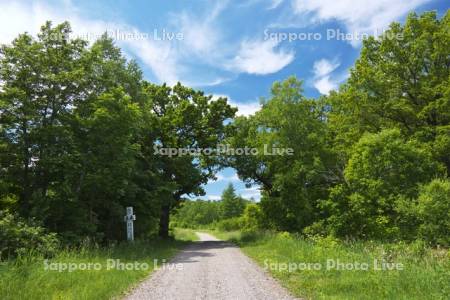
{"x": 184, "y": 234}
{"x": 425, "y": 272}
{"x": 111, "y": 272}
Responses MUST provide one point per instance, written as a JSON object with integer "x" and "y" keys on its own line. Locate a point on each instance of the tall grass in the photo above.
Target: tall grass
{"x": 27, "y": 277}
{"x": 185, "y": 234}
{"x": 425, "y": 272}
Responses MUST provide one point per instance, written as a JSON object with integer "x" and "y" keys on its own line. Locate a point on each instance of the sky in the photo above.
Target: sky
{"x": 235, "y": 49}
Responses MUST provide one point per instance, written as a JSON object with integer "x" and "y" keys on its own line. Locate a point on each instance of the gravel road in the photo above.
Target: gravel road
{"x": 210, "y": 269}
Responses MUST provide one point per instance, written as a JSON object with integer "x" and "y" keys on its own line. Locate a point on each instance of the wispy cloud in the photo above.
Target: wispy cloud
{"x": 201, "y": 34}
{"x": 159, "y": 58}
{"x": 249, "y": 193}
{"x": 323, "y": 81}
{"x": 363, "y": 16}
{"x": 202, "y": 46}
{"x": 16, "y": 17}
{"x": 261, "y": 57}
{"x": 275, "y": 3}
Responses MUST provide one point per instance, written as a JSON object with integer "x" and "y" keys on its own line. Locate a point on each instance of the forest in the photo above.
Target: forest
{"x": 79, "y": 123}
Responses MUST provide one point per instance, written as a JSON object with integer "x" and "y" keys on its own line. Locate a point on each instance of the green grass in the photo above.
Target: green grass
{"x": 27, "y": 278}
{"x": 184, "y": 234}
{"x": 425, "y": 274}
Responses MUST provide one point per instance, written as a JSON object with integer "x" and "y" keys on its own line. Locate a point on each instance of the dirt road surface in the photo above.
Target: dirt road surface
{"x": 210, "y": 269}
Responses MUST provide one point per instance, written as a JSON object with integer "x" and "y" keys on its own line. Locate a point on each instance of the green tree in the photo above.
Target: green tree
{"x": 41, "y": 81}
{"x": 383, "y": 169}
{"x": 291, "y": 182}
{"x": 253, "y": 217}
{"x": 184, "y": 118}
{"x": 194, "y": 213}
{"x": 398, "y": 83}
{"x": 433, "y": 210}
{"x": 232, "y": 204}
{"x": 388, "y": 127}
{"x": 71, "y": 121}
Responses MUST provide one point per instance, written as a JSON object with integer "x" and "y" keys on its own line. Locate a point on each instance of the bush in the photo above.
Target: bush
{"x": 253, "y": 217}
{"x": 230, "y": 224}
{"x": 384, "y": 169}
{"x": 195, "y": 214}
{"x": 17, "y": 237}
{"x": 433, "y": 209}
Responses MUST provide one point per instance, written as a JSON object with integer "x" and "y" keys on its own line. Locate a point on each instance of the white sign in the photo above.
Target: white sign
{"x": 129, "y": 218}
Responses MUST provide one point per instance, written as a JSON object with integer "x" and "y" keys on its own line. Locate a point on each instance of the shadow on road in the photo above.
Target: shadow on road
{"x": 200, "y": 249}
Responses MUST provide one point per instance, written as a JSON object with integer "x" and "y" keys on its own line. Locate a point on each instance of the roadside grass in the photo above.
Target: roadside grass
{"x": 184, "y": 234}
{"x": 27, "y": 277}
{"x": 233, "y": 236}
{"x": 425, "y": 274}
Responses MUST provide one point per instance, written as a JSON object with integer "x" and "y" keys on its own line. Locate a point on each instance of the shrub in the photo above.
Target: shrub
{"x": 383, "y": 170}
{"x": 433, "y": 209}
{"x": 253, "y": 217}
{"x": 17, "y": 237}
{"x": 230, "y": 224}
{"x": 285, "y": 235}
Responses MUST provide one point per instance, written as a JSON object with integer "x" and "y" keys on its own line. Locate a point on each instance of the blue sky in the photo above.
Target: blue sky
{"x": 226, "y": 48}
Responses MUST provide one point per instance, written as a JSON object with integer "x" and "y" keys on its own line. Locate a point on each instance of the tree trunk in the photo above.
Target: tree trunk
{"x": 164, "y": 221}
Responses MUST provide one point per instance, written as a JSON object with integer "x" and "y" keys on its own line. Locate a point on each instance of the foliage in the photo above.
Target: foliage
{"x": 187, "y": 119}
{"x": 433, "y": 209}
{"x": 232, "y": 205}
{"x": 253, "y": 217}
{"x": 292, "y": 180}
{"x": 360, "y": 154}
{"x": 19, "y": 238}
{"x": 383, "y": 168}
{"x": 198, "y": 213}
{"x": 224, "y": 213}
{"x": 230, "y": 224}
{"x": 78, "y": 131}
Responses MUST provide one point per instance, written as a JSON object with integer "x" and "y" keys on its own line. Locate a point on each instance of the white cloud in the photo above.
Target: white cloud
{"x": 253, "y": 192}
{"x": 170, "y": 61}
{"x": 200, "y": 37}
{"x": 200, "y": 33}
{"x": 244, "y": 109}
{"x": 275, "y": 4}
{"x": 324, "y": 67}
{"x": 213, "y": 197}
{"x": 261, "y": 57}
{"x": 216, "y": 81}
{"x": 221, "y": 177}
{"x": 324, "y": 85}
{"x": 16, "y": 18}
{"x": 363, "y": 16}
{"x": 160, "y": 58}
{"x": 322, "y": 76}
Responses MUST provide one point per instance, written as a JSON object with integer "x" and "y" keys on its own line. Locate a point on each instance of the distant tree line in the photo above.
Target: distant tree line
{"x": 207, "y": 213}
